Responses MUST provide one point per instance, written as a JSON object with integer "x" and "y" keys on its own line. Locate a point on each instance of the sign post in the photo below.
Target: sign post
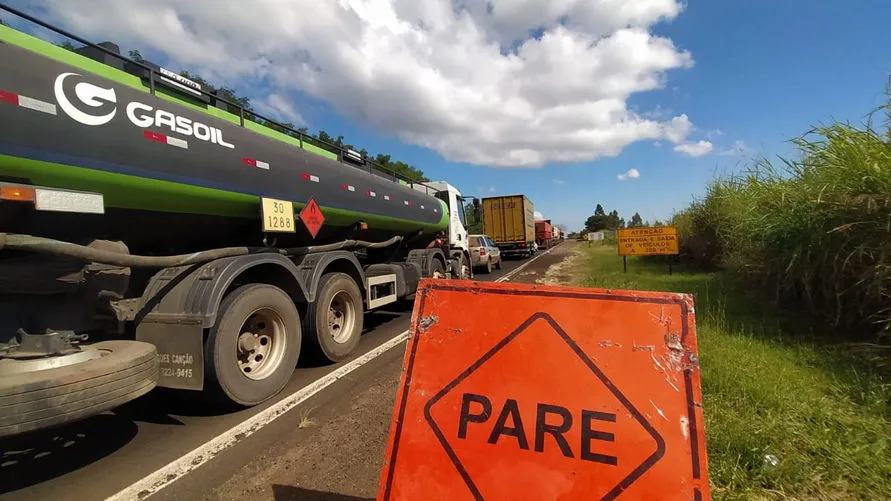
{"x": 513, "y": 391}
{"x": 647, "y": 241}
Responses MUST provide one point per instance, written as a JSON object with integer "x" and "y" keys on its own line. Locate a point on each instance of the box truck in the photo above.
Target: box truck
{"x": 510, "y": 221}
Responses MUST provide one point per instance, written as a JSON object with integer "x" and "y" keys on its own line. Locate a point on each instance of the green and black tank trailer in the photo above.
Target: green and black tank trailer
{"x": 133, "y": 249}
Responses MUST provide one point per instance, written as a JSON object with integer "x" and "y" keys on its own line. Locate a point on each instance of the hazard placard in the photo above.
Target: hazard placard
{"x": 278, "y": 215}
{"x": 312, "y": 217}
{"x": 514, "y": 391}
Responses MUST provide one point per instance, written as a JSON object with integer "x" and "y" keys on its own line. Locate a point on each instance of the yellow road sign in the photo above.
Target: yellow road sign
{"x": 649, "y": 241}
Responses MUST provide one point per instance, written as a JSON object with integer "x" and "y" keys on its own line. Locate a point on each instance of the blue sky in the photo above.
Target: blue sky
{"x": 762, "y": 73}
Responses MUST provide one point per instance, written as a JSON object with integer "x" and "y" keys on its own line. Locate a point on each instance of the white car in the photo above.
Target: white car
{"x": 484, "y": 253}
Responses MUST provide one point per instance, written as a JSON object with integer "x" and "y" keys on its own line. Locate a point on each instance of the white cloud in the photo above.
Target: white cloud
{"x": 465, "y": 79}
{"x": 538, "y": 216}
{"x": 714, "y": 133}
{"x": 631, "y": 174}
{"x": 696, "y": 149}
{"x": 558, "y": 182}
{"x": 277, "y": 106}
{"x": 491, "y": 189}
{"x": 737, "y": 149}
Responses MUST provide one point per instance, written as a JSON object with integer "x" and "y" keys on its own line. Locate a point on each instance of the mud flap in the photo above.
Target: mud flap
{"x": 180, "y": 353}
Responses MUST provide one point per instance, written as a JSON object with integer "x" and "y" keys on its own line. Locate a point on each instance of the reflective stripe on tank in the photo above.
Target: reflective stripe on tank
{"x": 309, "y": 177}
{"x": 255, "y": 163}
{"x": 370, "y": 193}
{"x": 161, "y": 138}
{"x": 348, "y": 187}
{"x": 387, "y": 197}
{"x": 27, "y": 102}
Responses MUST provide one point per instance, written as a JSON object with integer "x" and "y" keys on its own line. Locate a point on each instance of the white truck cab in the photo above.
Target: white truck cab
{"x": 454, "y": 201}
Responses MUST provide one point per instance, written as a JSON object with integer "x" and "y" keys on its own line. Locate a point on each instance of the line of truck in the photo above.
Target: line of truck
{"x": 155, "y": 234}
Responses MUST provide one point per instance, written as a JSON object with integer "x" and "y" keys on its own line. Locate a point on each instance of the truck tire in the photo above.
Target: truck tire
{"x": 437, "y": 267}
{"x": 463, "y": 268}
{"x": 252, "y": 350}
{"x": 335, "y": 319}
{"x": 100, "y": 377}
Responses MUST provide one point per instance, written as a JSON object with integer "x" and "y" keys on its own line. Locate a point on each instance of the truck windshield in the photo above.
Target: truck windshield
{"x": 446, "y": 197}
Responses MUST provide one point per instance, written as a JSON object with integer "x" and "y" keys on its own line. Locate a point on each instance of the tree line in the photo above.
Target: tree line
{"x": 322, "y": 139}
{"x": 601, "y": 221}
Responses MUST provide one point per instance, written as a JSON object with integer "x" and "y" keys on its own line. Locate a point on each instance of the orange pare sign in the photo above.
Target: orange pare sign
{"x": 647, "y": 241}
{"x": 525, "y": 392}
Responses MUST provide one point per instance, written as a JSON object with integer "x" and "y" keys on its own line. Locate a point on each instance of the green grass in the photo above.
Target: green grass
{"x": 771, "y": 388}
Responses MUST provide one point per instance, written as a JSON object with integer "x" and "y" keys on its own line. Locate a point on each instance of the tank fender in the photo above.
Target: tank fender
{"x": 190, "y": 294}
{"x": 180, "y": 302}
{"x": 312, "y": 266}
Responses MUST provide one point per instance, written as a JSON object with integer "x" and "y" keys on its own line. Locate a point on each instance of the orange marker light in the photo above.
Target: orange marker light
{"x": 17, "y": 194}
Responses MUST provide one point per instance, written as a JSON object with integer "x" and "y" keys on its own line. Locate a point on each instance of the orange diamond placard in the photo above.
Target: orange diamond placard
{"x": 514, "y": 391}
{"x": 312, "y": 217}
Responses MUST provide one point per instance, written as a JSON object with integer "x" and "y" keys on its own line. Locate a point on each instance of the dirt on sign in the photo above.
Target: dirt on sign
{"x": 532, "y": 392}
{"x": 648, "y": 241}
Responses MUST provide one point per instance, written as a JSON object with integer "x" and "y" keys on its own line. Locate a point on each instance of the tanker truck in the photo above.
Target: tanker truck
{"x": 154, "y": 234}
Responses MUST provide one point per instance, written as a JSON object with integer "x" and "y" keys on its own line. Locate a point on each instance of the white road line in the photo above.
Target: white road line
{"x": 202, "y": 454}
{"x": 518, "y": 269}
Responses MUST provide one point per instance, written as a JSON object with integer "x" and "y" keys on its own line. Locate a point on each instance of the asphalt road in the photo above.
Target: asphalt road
{"x": 100, "y": 457}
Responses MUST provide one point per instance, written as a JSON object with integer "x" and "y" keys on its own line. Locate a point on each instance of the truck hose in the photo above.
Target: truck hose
{"x": 67, "y": 249}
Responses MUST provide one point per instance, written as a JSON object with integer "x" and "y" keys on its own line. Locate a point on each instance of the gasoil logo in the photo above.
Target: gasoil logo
{"x": 93, "y": 105}
{"x": 101, "y": 101}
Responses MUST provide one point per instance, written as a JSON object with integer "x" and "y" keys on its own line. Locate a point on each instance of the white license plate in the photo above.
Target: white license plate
{"x": 69, "y": 201}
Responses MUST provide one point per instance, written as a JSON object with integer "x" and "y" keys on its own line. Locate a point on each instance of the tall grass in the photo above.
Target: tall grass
{"x": 813, "y": 232}
{"x": 819, "y": 410}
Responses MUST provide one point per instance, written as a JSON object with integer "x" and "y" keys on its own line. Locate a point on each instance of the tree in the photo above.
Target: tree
{"x": 474, "y": 223}
{"x": 614, "y": 221}
{"x": 66, "y": 44}
{"x": 602, "y": 221}
{"x": 636, "y": 221}
{"x": 137, "y": 56}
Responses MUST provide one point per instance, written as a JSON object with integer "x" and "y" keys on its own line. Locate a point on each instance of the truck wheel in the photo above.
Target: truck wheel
{"x": 498, "y": 264}
{"x": 40, "y": 393}
{"x": 336, "y": 317}
{"x": 463, "y": 268}
{"x": 489, "y": 266}
{"x": 437, "y": 269}
{"x": 252, "y": 350}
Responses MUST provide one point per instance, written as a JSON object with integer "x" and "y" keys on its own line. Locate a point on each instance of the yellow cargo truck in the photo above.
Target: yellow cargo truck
{"x": 510, "y": 222}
